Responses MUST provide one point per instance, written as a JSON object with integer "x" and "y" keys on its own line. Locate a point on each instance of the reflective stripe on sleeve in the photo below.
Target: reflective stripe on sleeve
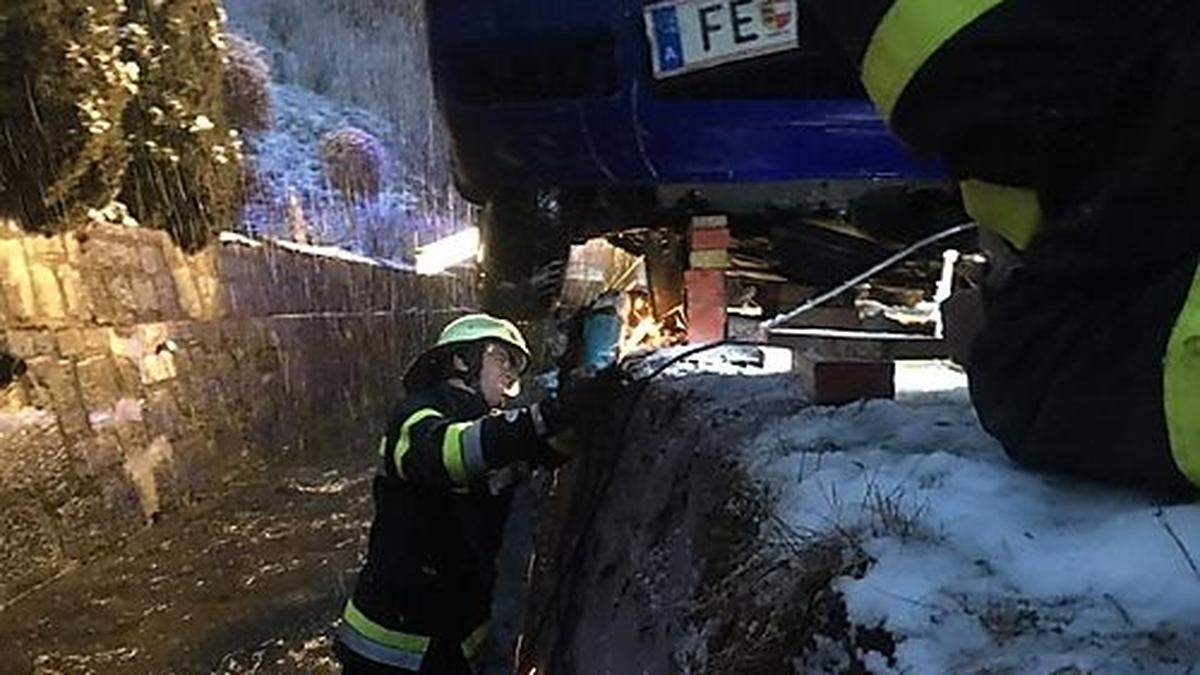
{"x": 1181, "y": 386}
{"x": 405, "y": 441}
{"x": 910, "y": 33}
{"x": 394, "y": 640}
{"x": 462, "y": 452}
{"x": 373, "y": 651}
{"x": 1012, "y": 212}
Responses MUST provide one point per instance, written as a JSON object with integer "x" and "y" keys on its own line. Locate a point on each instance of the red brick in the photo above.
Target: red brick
{"x": 835, "y": 382}
{"x": 709, "y": 238}
{"x": 715, "y": 259}
{"x": 705, "y": 290}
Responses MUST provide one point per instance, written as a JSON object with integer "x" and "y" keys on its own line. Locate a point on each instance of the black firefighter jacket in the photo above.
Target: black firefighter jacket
{"x": 440, "y": 508}
{"x": 1073, "y": 128}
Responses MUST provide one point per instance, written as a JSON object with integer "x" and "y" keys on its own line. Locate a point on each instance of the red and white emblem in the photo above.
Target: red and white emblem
{"x": 777, "y": 15}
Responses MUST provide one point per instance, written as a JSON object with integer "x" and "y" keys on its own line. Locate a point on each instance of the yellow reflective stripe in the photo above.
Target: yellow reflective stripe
{"x": 474, "y": 643}
{"x": 409, "y": 642}
{"x": 452, "y": 454}
{"x": 383, "y": 446}
{"x": 1012, "y": 212}
{"x": 406, "y": 434}
{"x": 910, "y": 33}
{"x": 1181, "y": 386}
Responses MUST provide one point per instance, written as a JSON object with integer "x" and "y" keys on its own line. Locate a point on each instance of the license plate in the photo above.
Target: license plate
{"x": 691, "y": 35}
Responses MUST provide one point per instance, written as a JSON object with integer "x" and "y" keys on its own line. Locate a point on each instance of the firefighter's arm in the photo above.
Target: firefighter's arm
{"x": 431, "y": 450}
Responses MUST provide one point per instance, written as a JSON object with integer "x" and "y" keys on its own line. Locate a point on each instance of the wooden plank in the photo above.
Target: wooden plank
{"x": 866, "y": 345}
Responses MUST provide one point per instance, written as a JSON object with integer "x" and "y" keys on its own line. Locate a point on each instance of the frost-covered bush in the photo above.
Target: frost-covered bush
{"x": 185, "y": 175}
{"x": 64, "y": 85}
{"x": 246, "y": 84}
{"x": 370, "y": 54}
{"x": 354, "y": 162}
{"x": 116, "y": 99}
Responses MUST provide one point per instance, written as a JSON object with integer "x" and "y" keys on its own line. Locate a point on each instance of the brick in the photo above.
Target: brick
{"x": 157, "y": 368}
{"x": 72, "y": 247}
{"x": 15, "y": 282}
{"x": 97, "y": 383}
{"x": 207, "y": 284}
{"x": 709, "y": 238}
{"x": 705, "y": 293}
{"x": 186, "y": 291}
{"x": 717, "y": 259}
{"x": 840, "y": 381}
{"x": 710, "y": 221}
{"x": 45, "y": 250}
{"x": 55, "y": 387}
{"x": 44, "y": 255}
{"x": 75, "y": 296}
{"x": 48, "y": 297}
{"x": 28, "y": 344}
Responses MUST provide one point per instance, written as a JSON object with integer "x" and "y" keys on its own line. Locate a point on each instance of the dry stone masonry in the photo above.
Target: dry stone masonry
{"x": 141, "y": 378}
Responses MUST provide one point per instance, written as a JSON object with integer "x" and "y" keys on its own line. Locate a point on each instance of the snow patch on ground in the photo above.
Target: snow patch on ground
{"x": 722, "y": 360}
{"x": 979, "y": 566}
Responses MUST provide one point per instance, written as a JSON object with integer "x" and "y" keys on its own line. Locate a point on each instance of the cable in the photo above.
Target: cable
{"x": 778, "y": 321}
{"x": 575, "y": 562}
{"x": 641, "y": 385}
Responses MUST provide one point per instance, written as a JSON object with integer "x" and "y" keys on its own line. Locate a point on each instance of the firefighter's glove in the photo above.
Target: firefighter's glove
{"x": 581, "y": 396}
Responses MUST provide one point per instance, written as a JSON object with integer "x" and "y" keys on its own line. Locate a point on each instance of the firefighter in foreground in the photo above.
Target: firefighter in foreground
{"x": 1074, "y": 129}
{"x": 423, "y": 598}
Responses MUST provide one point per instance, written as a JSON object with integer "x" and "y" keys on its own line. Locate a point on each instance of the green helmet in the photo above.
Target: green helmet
{"x": 475, "y": 327}
{"x": 463, "y": 331}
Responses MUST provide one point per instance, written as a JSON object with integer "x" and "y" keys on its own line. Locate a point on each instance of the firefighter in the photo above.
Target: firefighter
{"x": 1073, "y": 127}
{"x": 422, "y": 600}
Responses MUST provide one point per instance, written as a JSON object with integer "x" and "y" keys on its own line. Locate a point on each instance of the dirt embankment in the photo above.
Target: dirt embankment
{"x": 642, "y": 565}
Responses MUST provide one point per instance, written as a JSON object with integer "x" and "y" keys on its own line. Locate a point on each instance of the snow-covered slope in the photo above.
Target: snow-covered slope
{"x": 289, "y": 180}
{"x": 978, "y": 566}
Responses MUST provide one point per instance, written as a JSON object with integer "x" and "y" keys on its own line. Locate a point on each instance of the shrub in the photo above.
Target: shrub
{"x": 246, "y": 85}
{"x": 354, "y": 162}
{"x": 185, "y": 174}
{"x": 63, "y": 87}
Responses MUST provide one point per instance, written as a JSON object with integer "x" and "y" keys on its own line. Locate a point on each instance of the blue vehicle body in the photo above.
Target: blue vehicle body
{"x": 560, "y": 93}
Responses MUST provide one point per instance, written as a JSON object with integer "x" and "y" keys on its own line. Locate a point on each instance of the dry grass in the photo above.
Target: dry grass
{"x": 768, "y": 602}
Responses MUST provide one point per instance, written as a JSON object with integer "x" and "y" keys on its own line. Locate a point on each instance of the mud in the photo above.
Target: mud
{"x": 265, "y": 555}
{"x": 248, "y": 582}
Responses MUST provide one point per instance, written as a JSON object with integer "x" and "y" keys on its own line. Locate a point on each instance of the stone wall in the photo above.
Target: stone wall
{"x": 150, "y": 377}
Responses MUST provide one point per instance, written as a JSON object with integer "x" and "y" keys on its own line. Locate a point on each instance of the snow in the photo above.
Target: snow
{"x": 330, "y": 252}
{"x": 722, "y": 360}
{"x": 978, "y": 565}
{"x": 286, "y": 162}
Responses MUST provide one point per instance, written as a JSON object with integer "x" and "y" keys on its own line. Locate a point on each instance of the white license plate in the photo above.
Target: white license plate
{"x": 690, "y": 35}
